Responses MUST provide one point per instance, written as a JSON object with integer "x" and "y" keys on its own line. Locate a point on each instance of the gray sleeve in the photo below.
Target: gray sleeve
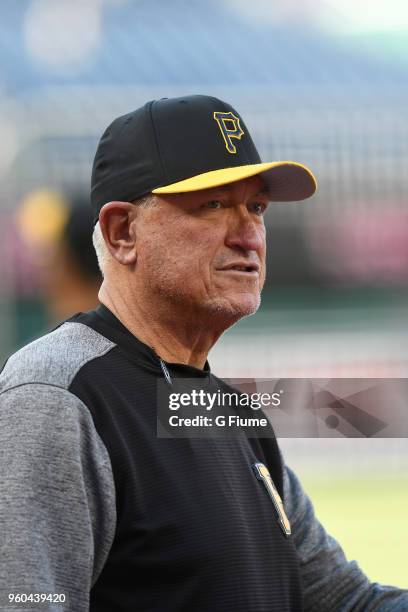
{"x": 330, "y": 582}
{"x": 57, "y": 498}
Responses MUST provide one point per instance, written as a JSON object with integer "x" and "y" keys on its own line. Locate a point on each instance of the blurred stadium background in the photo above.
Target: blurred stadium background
{"x": 321, "y": 82}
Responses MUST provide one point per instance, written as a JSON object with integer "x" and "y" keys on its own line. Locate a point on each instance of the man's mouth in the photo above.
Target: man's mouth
{"x": 244, "y": 267}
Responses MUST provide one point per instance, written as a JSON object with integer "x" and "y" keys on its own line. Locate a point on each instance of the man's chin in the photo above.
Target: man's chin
{"x": 234, "y": 308}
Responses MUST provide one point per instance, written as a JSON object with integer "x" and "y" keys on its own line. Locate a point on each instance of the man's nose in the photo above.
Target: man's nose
{"x": 245, "y": 233}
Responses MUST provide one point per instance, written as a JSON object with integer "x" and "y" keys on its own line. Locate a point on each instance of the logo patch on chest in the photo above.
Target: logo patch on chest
{"x": 262, "y": 473}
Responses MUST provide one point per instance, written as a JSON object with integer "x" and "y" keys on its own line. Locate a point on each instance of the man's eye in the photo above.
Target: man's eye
{"x": 258, "y": 208}
{"x": 213, "y": 204}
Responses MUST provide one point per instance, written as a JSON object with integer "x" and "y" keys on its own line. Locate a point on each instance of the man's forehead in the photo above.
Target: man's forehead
{"x": 246, "y": 188}
{"x": 263, "y": 189}
{"x": 256, "y": 184}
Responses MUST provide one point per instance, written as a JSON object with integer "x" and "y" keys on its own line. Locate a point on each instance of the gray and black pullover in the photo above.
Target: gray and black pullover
{"x": 94, "y": 505}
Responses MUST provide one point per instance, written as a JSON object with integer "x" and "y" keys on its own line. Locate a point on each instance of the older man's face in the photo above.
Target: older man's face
{"x": 204, "y": 251}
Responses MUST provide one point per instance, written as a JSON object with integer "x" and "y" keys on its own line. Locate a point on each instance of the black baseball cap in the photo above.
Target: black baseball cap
{"x": 175, "y": 145}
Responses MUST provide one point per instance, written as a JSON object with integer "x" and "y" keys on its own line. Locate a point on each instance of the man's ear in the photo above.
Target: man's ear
{"x": 116, "y": 220}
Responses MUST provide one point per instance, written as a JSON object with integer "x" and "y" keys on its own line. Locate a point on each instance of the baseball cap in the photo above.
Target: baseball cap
{"x": 189, "y": 143}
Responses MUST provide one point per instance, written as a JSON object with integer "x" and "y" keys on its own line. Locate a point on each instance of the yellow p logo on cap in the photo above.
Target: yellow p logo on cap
{"x": 230, "y": 128}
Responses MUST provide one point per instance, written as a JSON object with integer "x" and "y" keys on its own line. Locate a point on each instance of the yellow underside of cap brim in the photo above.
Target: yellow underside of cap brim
{"x": 286, "y": 180}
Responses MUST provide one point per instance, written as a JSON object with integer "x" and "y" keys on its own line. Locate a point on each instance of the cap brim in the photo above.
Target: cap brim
{"x": 287, "y": 181}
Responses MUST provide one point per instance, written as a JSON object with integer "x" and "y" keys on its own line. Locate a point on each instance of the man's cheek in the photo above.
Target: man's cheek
{"x": 262, "y": 276}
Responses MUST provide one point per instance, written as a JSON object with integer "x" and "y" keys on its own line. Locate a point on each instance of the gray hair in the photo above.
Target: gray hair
{"x": 102, "y": 252}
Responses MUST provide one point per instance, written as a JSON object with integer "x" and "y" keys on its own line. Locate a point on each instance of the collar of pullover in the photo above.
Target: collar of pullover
{"x": 106, "y": 323}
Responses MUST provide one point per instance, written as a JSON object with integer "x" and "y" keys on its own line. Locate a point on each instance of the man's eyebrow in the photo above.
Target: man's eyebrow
{"x": 264, "y": 191}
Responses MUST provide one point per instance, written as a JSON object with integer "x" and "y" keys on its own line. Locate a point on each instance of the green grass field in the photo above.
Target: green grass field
{"x": 369, "y": 517}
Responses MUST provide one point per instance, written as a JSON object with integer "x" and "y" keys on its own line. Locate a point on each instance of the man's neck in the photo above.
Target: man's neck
{"x": 175, "y": 340}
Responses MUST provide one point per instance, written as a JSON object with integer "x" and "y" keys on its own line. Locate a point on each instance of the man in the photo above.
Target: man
{"x": 94, "y": 505}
